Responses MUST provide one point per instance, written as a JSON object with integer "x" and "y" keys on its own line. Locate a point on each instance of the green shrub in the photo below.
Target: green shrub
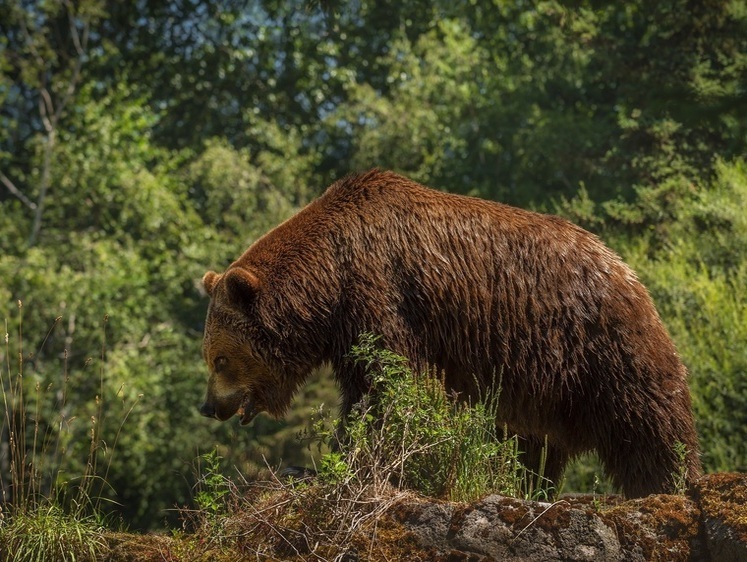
{"x": 410, "y": 432}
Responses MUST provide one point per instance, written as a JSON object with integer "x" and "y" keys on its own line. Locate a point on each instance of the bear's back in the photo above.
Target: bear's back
{"x": 392, "y": 214}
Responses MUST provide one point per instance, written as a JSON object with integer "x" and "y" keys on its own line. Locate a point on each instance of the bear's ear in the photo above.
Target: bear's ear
{"x": 209, "y": 281}
{"x": 241, "y": 285}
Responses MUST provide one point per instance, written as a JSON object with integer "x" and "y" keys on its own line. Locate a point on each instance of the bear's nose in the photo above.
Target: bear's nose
{"x": 207, "y": 410}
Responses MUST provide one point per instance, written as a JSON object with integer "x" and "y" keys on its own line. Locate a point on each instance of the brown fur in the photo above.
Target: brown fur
{"x": 474, "y": 289}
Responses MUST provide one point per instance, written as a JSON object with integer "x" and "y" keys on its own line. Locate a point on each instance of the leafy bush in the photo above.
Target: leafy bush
{"x": 410, "y": 432}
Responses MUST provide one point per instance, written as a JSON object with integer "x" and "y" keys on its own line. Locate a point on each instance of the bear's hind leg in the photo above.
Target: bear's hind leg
{"x": 637, "y": 473}
{"x": 654, "y": 468}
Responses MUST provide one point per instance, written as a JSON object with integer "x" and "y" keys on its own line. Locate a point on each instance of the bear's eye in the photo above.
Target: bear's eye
{"x": 220, "y": 363}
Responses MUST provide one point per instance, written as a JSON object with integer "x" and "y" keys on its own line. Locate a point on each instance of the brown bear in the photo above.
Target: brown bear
{"x": 471, "y": 289}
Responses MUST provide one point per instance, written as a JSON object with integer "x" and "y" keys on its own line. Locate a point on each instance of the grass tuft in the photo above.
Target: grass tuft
{"x": 51, "y": 475}
{"x": 47, "y": 533}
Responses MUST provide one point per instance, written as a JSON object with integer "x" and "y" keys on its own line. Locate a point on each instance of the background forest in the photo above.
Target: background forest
{"x": 143, "y": 143}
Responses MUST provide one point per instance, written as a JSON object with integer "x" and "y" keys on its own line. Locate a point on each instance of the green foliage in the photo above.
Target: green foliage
{"x": 51, "y": 505}
{"x": 718, "y": 223}
{"x": 106, "y": 248}
{"x": 231, "y": 193}
{"x": 411, "y": 432}
{"x": 56, "y": 454}
{"x": 708, "y": 317}
{"x": 48, "y": 533}
{"x": 585, "y": 474}
{"x": 212, "y": 486}
{"x": 432, "y": 87}
{"x": 334, "y": 469}
{"x": 680, "y": 477}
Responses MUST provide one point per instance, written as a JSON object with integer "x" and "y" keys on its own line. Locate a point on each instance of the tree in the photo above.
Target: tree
{"x": 45, "y": 50}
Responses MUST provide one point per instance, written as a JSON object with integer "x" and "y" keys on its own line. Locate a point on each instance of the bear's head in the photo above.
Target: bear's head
{"x": 243, "y": 377}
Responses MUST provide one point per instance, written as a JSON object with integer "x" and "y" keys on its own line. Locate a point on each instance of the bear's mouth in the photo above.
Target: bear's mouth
{"x": 247, "y": 411}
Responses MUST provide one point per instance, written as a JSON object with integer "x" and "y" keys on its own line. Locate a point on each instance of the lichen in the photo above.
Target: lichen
{"x": 723, "y": 497}
{"x": 663, "y": 527}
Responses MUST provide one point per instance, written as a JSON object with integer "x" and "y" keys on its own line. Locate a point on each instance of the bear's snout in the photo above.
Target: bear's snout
{"x": 207, "y": 410}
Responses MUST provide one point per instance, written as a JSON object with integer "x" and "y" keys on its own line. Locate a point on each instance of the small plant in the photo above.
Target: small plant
{"x": 333, "y": 469}
{"x": 213, "y": 487}
{"x": 679, "y": 478}
{"x": 534, "y": 486}
{"x": 215, "y": 497}
{"x": 597, "y": 500}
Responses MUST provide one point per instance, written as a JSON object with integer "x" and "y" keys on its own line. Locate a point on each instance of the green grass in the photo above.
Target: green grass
{"x": 52, "y": 477}
{"x": 47, "y": 533}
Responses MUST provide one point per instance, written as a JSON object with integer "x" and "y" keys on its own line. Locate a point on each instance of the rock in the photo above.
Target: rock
{"x": 500, "y": 528}
{"x": 659, "y": 527}
{"x": 723, "y": 500}
{"x": 708, "y": 524}
{"x": 535, "y": 531}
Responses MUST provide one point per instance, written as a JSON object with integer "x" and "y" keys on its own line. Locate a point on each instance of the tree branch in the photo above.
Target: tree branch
{"x": 46, "y": 173}
{"x": 80, "y": 47}
{"x": 51, "y": 114}
{"x": 17, "y": 192}
{"x": 46, "y": 109}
